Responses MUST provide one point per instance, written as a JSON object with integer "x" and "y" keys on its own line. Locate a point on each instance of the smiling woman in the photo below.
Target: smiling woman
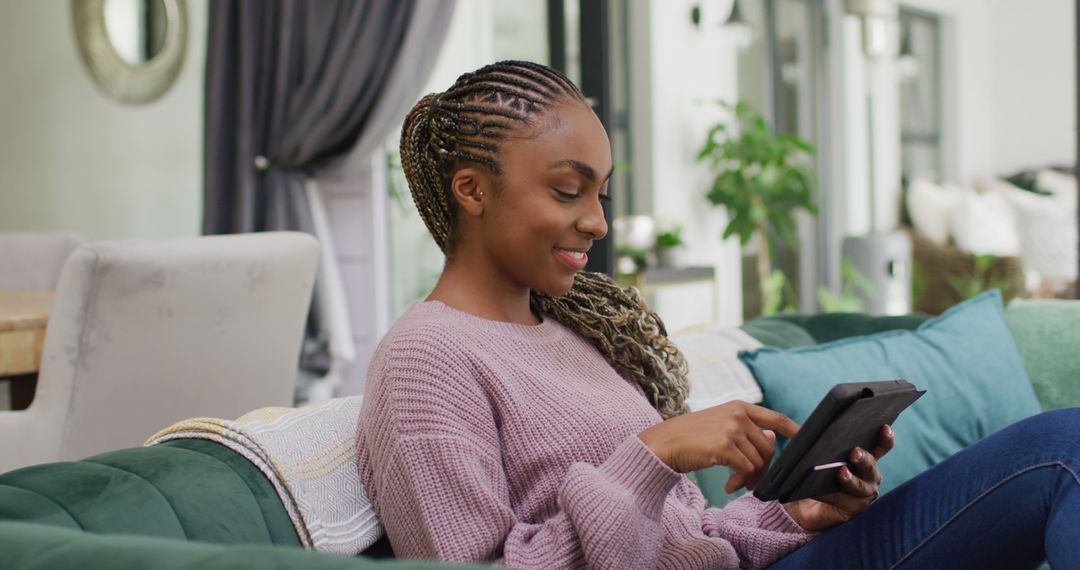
{"x": 502, "y": 415}
{"x": 532, "y": 414}
{"x": 503, "y": 169}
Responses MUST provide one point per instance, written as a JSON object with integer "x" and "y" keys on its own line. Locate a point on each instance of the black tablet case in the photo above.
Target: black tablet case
{"x": 850, "y": 416}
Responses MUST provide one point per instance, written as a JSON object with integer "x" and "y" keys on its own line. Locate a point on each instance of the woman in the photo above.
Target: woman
{"x": 531, "y": 414}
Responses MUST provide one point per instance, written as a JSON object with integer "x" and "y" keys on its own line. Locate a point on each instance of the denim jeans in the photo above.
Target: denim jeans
{"x": 1011, "y": 500}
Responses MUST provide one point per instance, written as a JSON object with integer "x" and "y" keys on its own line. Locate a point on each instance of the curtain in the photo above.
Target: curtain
{"x": 291, "y": 87}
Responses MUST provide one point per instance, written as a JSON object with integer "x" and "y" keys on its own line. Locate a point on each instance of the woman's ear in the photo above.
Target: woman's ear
{"x": 471, "y": 188}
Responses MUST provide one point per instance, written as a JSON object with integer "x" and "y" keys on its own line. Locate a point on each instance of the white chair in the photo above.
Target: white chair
{"x": 146, "y": 333}
{"x": 33, "y": 260}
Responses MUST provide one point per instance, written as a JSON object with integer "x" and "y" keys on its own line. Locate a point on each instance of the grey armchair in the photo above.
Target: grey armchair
{"x": 146, "y": 333}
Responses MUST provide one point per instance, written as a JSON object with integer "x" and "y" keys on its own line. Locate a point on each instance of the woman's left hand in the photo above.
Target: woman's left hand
{"x": 860, "y": 488}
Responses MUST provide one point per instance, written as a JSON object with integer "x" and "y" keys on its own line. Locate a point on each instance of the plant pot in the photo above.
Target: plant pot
{"x": 669, "y": 258}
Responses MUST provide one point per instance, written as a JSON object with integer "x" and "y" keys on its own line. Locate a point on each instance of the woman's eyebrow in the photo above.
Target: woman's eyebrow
{"x": 583, "y": 169}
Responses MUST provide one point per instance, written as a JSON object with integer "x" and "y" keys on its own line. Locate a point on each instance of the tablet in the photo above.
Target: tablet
{"x": 849, "y": 416}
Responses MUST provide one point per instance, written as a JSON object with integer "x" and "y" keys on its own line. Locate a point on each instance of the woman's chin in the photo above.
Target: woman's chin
{"x": 556, "y": 288}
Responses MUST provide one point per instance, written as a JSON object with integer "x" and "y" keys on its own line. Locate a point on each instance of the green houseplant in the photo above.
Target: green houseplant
{"x": 666, "y": 244}
{"x": 762, "y": 178}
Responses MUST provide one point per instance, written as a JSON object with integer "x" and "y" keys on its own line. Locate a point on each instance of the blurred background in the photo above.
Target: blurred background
{"x": 771, "y": 155}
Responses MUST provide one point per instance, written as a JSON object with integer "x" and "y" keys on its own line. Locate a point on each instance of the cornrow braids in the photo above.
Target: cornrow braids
{"x": 467, "y": 123}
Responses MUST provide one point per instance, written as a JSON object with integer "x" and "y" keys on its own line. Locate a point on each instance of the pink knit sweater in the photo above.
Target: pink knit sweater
{"x": 488, "y": 441}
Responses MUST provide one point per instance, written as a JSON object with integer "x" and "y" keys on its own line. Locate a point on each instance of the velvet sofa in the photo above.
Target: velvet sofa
{"x": 196, "y": 504}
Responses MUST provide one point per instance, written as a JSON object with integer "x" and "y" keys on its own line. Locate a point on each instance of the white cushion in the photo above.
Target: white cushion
{"x": 985, "y": 224}
{"x": 931, "y": 206}
{"x": 716, "y": 373}
{"x": 1047, "y": 227}
{"x": 1061, "y": 186}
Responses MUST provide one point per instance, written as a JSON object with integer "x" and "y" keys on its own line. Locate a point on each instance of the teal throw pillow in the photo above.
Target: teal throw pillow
{"x": 965, "y": 359}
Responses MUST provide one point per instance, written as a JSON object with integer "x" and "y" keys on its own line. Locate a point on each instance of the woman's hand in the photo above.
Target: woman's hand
{"x": 736, "y": 434}
{"x": 860, "y": 488}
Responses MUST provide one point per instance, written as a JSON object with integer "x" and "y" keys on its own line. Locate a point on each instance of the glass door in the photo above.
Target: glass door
{"x": 781, "y": 73}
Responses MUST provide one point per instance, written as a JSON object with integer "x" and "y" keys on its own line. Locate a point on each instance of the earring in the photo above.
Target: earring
{"x": 481, "y": 193}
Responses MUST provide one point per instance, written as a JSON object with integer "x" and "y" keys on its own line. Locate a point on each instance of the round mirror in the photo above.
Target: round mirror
{"x": 136, "y": 28}
{"x": 133, "y": 49}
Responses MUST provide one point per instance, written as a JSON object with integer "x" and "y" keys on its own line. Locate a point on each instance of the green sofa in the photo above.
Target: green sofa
{"x": 196, "y": 504}
{"x": 184, "y": 504}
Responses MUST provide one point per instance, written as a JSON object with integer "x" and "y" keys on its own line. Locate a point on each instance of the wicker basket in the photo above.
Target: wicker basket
{"x": 937, "y": 267}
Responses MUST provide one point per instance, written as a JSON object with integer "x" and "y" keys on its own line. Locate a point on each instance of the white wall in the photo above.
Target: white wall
{"x": 1010, "y": 72}
{"x": 970, "y": 127}
{"x": 1032, "y": 48}
{"x": 72, "y": 159}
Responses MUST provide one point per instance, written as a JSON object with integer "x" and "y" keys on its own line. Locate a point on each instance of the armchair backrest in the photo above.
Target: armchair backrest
{"x": 146, "y": 333}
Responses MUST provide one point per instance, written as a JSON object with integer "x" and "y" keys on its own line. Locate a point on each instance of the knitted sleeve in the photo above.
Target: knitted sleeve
{"x": 432, "y": 465}
{"x": 761, "y": 531}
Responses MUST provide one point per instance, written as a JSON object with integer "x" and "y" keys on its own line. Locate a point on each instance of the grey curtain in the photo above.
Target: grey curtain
{"x": 291, "y": 87}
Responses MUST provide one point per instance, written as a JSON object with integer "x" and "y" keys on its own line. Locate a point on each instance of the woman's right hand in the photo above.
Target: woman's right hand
{"x": 737, "y": 435}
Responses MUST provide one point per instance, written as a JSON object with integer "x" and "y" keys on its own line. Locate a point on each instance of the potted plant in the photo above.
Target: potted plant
{"x": 666, "y": 246}
{"x": 762, "y": 179}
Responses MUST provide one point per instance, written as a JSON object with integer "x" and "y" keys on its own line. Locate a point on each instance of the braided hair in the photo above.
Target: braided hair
{"x": 467, "y": 123}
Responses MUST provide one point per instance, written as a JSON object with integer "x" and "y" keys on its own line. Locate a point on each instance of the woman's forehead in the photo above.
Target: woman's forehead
{"x": 576, "y": 136}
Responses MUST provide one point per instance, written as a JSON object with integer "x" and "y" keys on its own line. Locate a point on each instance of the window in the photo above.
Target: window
{"x": 782, "y": 74}
{"x": 920, "y": 96}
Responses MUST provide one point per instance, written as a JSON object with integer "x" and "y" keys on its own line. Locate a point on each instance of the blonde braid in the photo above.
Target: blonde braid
{"x": 466, "y": 124}
{"x": 617, "y": 321}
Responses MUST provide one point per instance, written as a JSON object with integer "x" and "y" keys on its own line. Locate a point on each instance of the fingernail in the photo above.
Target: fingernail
{"x": 858, "y": 455}
{"x": 888, "y": 430}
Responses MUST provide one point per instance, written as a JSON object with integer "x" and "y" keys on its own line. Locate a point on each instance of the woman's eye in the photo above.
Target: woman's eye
{"x": 566, "y": 195}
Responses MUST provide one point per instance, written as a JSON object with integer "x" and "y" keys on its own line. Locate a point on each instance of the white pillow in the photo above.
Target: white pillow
{"x": 931, "y": 206}
{"x": 985, "y": 224}
{"x": 1047, "y": 229}
{"x": 716, "y": 373}
{"x": 1060, "y": 186}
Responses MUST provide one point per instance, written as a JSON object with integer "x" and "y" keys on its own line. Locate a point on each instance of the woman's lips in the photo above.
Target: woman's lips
{"x": 575, "y": 260}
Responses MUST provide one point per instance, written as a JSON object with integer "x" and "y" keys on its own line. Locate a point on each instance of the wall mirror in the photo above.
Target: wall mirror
{"x": 133, "y": 49}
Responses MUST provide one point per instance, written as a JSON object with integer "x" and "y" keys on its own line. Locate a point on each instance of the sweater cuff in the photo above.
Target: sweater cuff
{"x": 775, "y": 517}
{"x": 634, "y": 467}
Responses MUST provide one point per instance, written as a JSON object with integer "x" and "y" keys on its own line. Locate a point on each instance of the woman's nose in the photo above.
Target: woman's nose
{"x": 592, "y": 221}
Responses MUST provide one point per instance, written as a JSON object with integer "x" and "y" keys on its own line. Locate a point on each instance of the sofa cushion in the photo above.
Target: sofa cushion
{"x": 788, "y": 331}
{"x": 716, "y": 375}
{"x": 1047, "y": 332}
{"x": 28, "y": 546}
{"x": 195, "y": 490}
{"x": 828, "y": 327}
{"x": 966, "y": 359}
{"x": 778, "y": 332}
{"x": 931, "y": 206}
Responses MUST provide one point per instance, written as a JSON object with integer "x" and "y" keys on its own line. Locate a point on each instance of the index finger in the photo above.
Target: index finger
{"x": 771, "y": 419}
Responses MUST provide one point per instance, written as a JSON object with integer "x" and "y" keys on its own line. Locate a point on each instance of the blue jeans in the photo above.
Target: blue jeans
{"x": 1010, "y": 501}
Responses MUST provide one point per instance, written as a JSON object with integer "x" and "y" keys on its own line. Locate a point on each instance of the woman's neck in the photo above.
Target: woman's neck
{"x": 475, "y": 291}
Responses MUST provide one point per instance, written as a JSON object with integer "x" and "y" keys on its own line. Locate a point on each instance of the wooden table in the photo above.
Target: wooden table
{"x": 23, "y": 315}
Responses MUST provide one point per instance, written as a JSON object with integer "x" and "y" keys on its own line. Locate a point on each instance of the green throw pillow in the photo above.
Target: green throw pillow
{"x": 1047, "y": 332}
{"x": 965, "y": 359}
{"x": 773, "y": 331}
